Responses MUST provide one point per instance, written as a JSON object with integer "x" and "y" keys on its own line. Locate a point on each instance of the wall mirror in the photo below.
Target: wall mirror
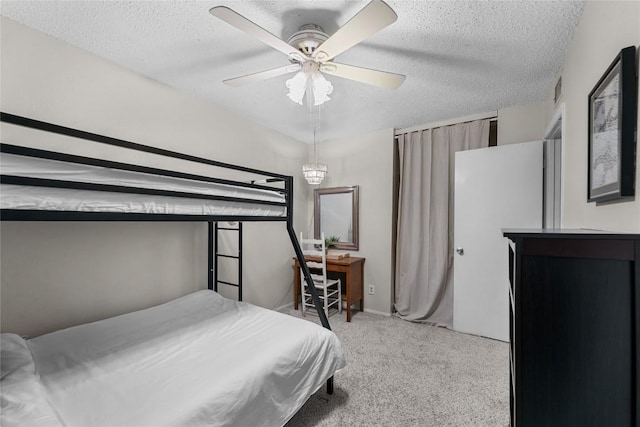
{"x": 336, "y": 214}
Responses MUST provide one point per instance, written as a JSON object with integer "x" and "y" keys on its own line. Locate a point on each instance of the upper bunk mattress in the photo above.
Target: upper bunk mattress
{"x": 61, "y": 199}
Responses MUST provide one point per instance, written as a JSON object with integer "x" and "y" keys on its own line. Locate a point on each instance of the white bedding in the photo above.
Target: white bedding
{"x": 199, "y": 360}
{"x": 60, "y": 199}
{"x": 23, "y": 399}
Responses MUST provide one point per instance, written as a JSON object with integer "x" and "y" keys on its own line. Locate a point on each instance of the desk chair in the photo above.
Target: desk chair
{"x": 329, "y": 290}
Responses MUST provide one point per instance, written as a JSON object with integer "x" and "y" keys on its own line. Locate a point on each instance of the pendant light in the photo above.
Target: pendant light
{"x": 314, "y": 172}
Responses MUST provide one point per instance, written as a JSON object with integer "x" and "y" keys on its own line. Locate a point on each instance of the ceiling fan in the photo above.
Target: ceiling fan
{"x": 311, "y": 51}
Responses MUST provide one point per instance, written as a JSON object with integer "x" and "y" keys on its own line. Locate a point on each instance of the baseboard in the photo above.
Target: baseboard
{"x": 366, "y": 310}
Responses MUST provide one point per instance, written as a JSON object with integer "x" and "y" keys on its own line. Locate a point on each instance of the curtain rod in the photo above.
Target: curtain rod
{"x": 479, "y": 116}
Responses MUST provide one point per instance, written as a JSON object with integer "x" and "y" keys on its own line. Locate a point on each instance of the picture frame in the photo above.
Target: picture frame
{"x": 612, "y": 124}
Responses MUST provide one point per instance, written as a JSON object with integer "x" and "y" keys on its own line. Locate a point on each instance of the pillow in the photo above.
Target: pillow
{"x": 23, "y": 401}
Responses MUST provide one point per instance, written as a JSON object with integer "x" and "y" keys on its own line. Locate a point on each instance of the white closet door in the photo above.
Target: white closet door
{"x": 495, "y": 188}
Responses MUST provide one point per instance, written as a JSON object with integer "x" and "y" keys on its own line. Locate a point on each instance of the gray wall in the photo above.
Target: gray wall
{"x": 521, "y": 123}
{"x": 56, "y": 275}
{"x": 367, "y": 161}
{"x": 605, "y": 28}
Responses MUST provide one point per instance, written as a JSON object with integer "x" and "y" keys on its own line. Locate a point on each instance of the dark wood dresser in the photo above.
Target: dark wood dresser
{"x": 574, "y": 322}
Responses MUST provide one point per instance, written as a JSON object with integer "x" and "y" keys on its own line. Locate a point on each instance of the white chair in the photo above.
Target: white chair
{"x": 329, "y": 290}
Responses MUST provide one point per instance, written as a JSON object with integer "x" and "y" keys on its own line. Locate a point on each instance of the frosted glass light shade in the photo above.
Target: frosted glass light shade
{"x": 297, "y": 86}
{"x": 302, "y": 81}
{"x": 321, "y": 88}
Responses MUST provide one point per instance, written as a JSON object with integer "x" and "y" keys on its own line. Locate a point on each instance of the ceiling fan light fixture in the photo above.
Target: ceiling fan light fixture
{"x": 313, "y": 50}
{"x": 303, "y": 81}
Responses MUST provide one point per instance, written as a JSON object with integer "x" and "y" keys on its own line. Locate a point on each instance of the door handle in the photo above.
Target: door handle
{"x": 460, "y": 251}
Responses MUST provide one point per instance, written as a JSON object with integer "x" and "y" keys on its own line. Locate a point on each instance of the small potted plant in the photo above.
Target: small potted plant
{"x": 331, "y": 241}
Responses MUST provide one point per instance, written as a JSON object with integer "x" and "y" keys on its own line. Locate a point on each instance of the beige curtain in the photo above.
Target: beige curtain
{"x": 424, "y": 251}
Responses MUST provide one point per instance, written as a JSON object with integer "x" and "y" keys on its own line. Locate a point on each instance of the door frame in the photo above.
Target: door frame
{"x": 554, "y": 163}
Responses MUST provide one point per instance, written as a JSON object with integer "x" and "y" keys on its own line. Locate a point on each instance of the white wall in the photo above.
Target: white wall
{"x": 367, "y": 161}
{"x": 605, "y": 28}
{"x": 58, "y": 274}
{"x": 521, "y": 123}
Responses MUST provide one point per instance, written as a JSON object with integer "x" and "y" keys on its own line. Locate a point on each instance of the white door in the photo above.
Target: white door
{"x": 495, "y": 188}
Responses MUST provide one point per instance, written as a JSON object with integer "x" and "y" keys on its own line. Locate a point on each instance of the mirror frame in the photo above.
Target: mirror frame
{"x": 317, "y": 194}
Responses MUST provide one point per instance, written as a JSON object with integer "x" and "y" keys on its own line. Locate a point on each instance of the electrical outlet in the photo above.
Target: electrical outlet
{"x": 372, "y": 290}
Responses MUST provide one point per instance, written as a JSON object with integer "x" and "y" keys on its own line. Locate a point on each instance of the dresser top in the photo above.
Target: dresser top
{"x": 566, "y": 233}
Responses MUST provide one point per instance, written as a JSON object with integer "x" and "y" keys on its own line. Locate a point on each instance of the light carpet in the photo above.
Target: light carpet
{"x": 407, "y": 374}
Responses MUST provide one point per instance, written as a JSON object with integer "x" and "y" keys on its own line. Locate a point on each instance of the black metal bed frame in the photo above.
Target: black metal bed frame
{"x": 43, "y": 215}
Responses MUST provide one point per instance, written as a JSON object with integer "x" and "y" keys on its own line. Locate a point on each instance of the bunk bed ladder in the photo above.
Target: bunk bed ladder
{"x": 215, "y": 255}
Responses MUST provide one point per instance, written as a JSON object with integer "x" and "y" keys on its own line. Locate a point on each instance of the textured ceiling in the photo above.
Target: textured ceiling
{"x": 459, "y": 57}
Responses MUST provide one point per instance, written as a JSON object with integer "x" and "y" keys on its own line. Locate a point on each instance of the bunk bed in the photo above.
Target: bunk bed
{"x": 200, "y": 359}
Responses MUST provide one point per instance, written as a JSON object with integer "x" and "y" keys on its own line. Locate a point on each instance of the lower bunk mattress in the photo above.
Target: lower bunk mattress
{"x": 198, "y": 360}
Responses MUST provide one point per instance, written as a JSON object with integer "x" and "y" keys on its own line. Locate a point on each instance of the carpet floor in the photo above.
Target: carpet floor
{"x": 400, "y": 373}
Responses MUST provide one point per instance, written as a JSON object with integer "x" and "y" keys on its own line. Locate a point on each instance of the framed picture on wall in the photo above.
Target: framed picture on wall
{"x": 612, "y": 124}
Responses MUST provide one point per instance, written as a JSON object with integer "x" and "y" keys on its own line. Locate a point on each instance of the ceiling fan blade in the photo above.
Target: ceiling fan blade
{"x": 365, "y": 75}
{"x": 263, "y": 75}
{"x": 243, "y": 24}
{"x": 372, "y": 18}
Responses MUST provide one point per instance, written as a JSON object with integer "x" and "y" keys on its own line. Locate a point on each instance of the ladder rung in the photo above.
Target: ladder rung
{"x": 237, "y": 257}
{"x": 227, "y": 283}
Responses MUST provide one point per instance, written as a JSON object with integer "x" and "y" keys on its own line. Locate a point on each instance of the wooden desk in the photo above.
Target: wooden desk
{"x": 352, "y": 267}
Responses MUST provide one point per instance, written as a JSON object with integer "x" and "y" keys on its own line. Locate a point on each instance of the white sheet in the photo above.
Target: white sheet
{"x": 43, "y": 198}
{"x": 201, "y": 359}
{"x": 23, "y": 400}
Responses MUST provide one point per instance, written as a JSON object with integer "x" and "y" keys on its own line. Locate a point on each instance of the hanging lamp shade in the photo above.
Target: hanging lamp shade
{"x": 314, "y": 173}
